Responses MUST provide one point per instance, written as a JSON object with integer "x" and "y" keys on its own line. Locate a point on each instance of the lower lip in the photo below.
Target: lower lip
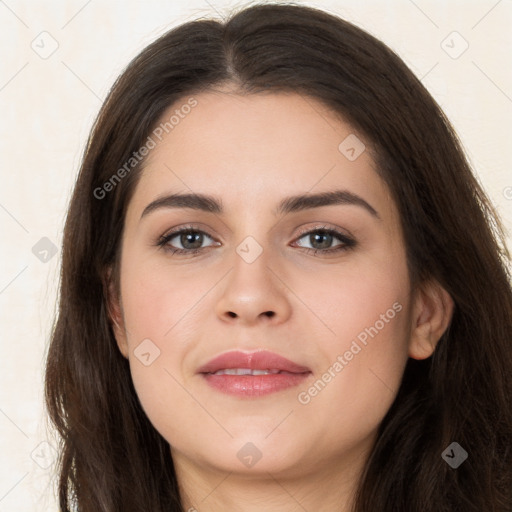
{"x": 254, "y": 385}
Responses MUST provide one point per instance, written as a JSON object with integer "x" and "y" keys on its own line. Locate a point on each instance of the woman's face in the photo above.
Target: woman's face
{"x": 320, "y": 282}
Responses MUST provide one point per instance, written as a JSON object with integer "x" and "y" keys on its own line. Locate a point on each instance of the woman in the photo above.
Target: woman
{"x": 336, "y": 336}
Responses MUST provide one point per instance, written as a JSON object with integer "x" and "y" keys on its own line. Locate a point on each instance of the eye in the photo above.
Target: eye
{"x": 322, "y": 239}
{"x": 190, "y": 239}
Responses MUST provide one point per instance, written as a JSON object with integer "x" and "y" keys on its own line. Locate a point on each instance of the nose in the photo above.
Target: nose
{"x": 254, "y": 292}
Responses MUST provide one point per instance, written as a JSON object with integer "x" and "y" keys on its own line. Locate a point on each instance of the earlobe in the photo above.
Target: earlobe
{"x": 432, "y": 312}
{"x": 114, "y": 311}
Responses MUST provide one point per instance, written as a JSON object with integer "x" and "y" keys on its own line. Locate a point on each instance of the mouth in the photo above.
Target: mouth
{"x": 252, "y": 374}
{"x": 247, "y": 371}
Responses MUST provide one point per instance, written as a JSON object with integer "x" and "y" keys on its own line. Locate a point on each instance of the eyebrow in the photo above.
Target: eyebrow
{"x": 290, "y": 204}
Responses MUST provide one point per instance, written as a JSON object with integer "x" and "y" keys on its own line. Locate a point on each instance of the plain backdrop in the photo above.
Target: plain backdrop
{"x": 58, "y": 60}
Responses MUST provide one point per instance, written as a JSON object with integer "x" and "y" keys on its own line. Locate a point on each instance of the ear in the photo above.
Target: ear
{"x": 432, "y": 312}
{"x": 115, "y": 313}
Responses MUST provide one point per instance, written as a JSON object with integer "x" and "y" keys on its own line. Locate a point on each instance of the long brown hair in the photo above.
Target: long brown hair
{"x": 112, "y": 458}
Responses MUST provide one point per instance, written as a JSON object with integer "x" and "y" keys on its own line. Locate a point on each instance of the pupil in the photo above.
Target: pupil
{"x": 314, "y": 238}
{"x": 188, "y": 237}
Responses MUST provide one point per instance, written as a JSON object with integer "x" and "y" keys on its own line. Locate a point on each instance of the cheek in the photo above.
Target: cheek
{"x": 159, "y": 301}
{"x": 365, "y": 298}
{"x": 163, "y": 309}
{"x": 365, "y": 353}
{"x": 348, "y": 399}
{"x": 357, "y": 388}
{"x": 344, "y": 404}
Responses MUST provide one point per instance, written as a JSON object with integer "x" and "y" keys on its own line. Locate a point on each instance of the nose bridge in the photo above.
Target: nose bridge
{"x": 252, "y": 290}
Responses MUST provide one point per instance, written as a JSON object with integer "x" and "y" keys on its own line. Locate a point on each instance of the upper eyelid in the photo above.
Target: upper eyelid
{"x": 324, "y": 227}
{"x": 174, "y": 232}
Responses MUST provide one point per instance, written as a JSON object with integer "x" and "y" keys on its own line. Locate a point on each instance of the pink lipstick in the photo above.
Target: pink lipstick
{"x": 252, "y": 374}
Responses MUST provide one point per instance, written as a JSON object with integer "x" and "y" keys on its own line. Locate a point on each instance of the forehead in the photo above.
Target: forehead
{"x": 254, "y": 148}
{"x": 277, "y": 126}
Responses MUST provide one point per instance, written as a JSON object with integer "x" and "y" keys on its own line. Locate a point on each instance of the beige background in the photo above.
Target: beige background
{"x": 48, "y": 103}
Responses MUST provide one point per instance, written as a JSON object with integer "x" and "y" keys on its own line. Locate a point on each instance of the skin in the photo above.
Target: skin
{"x": 251, "y": 152}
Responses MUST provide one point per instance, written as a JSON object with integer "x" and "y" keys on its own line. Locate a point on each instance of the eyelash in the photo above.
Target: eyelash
{"x": 347, "y": 243}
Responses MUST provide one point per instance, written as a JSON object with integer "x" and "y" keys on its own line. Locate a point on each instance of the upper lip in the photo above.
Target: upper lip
{"x": 260, "y": 360}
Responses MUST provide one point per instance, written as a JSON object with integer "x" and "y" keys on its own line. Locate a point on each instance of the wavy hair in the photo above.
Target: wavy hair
{"x": 111, "y": 457}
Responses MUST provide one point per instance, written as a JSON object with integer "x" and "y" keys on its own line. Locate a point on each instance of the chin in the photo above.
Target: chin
{"x": 247, "y": 454}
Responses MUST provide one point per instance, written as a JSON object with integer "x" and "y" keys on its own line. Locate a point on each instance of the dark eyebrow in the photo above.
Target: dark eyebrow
{"x": 290, "y": 204}
{"x": 307, "y": 201}
{"x": 195, "y": 201}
